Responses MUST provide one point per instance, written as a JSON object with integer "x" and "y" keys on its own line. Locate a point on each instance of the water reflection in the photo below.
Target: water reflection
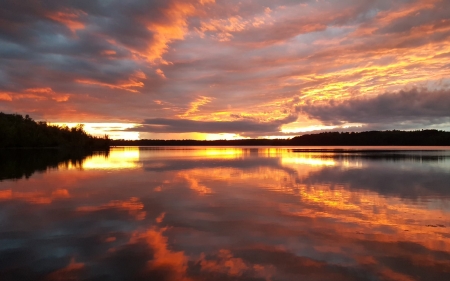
{"x": 231, "y": 214}
{"x": 22, "y": 163}
{"x": 119, "y": 158}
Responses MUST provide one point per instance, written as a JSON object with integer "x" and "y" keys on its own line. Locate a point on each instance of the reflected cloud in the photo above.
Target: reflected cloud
{"x": 194, "y": 183}
{"x": 232, "y": 214}
{"x": 34, "y": 197}
{"x": 171, "y": 264}
{"x": 346, "y": 188}
{"x": 224, "y": 263}
{"x": 133, "y": 206}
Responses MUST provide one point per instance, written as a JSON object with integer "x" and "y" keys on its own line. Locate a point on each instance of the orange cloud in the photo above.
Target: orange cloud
{"x": 160, "y": 218}
{"x": 130, "y": 85}
{"x": 387, "y": 17}
{"x": 195, "y": 105}
{"x": 70, "y": 272}
{"x": 160, "y": 73}
{"x": 37, "y": 94}
{"x": 5, "y": 96}
{"x": 5, "y": 194}
{"x": 71, "y": 19}
{"x": 108, "y": 52}
{"x": 175, "y": 28}
{"x": 224, "y": 28}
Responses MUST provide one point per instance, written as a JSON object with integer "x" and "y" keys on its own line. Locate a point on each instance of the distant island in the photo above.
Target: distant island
{"x": 371, "y": 138}
{"x": 17, "y": 131}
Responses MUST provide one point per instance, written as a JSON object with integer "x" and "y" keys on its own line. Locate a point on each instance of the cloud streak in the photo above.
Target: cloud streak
{"x": 419, "y": 106}
{"x": 243, "y": 127}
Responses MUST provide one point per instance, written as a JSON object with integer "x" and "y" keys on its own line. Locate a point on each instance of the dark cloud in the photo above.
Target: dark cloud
{"x": 246, "y": 127}
{"x": 93, "y": 49}
{"x": 416, "y": 106}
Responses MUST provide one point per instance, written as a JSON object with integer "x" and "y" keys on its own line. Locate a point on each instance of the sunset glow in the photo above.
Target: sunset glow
{"x": 220, "y": 69}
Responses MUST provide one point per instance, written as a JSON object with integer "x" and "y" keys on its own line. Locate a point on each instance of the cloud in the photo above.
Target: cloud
{"x": 194, "y": 106}
{"x": 229, "y": 266}
{"x": 240, "y": 229}
{"x": 133, "y": 206}
{"x": 109, "y": 61}
{"x": 170, "y": 264}
{"x": 95, "y": 52}
{"x": 142, "y": 27}
{"x": 70, "y": 272}
{"x": 415, "y": 106}
{"x": 245, "y": 127}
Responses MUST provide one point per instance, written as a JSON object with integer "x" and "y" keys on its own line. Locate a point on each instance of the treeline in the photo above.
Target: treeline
{"x": 376, "y": 138}
{"x": 17, "y": 131}
{"x": 240, "y": 142}
{"x": 371, "y": 138}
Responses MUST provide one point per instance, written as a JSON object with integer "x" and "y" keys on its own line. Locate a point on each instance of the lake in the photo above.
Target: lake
{"x": 229, "y": 213}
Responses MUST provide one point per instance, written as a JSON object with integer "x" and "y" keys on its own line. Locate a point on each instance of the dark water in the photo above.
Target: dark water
{"x": 225, "y": 214}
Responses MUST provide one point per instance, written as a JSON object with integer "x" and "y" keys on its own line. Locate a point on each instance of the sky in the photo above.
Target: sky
{"x": 224, "y": 69}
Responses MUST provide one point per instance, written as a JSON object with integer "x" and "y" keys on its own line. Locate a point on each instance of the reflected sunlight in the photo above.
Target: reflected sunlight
{"x": 368, "y": 212}
{"x": 223, "y": 153}
{"x": 306, "y": 160}
{"x": 210, "y": 213}
{"x": 113, "y": 130}
{"x": 118, "y": 158}
{"x": 128, "y": 158}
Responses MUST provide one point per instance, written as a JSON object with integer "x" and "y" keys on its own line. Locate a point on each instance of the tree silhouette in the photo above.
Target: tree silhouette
{"x": 18, "y": 131}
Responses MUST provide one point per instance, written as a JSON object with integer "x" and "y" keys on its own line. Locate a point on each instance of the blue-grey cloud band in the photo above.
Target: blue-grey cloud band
{"x": 416, "y": 106}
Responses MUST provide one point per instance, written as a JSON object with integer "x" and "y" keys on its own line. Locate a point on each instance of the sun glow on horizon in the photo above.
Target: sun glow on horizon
{"x": 113, "y": 130}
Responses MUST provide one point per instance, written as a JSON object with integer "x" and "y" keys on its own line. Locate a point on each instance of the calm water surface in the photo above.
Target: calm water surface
{"x": 225, "y": 214}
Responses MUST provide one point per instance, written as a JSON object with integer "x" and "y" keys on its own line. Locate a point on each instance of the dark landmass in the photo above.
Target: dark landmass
{"x": 17, "y": 131}
{"x": 22, "y": 163}
{"x": 377, "y": 138}
{"x": 372, "y": 138}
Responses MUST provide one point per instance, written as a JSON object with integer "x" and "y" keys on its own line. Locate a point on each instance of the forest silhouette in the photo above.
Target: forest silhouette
{"x": 370, "y": 138}
{"x": 17, "y": 131}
